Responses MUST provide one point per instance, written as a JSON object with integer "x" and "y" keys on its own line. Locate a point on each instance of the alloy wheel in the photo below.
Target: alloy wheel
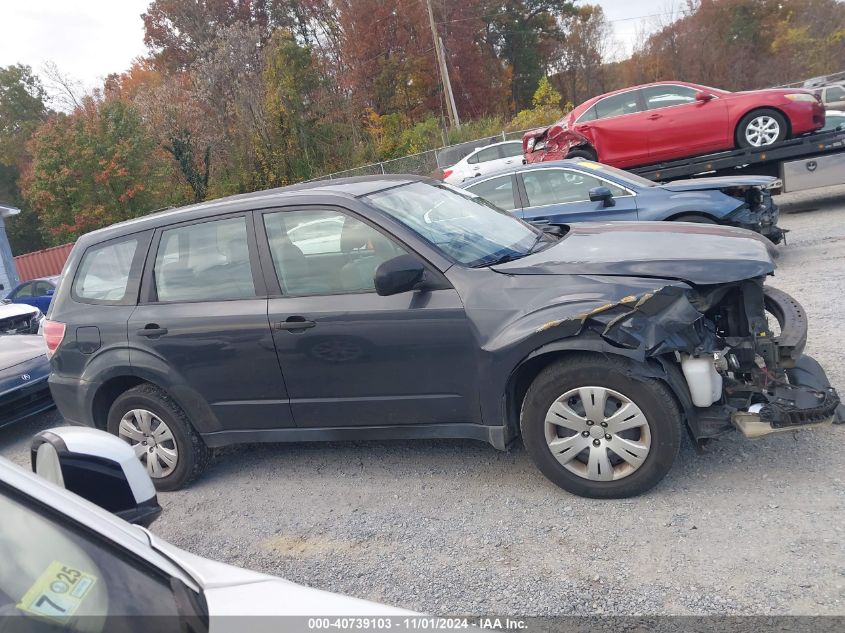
{"x": 597, "y": 433}
{"x": 151, "y": 439}
{"x": 762, "y": 130}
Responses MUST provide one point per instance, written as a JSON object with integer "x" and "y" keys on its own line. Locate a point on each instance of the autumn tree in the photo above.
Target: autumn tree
{"x": 526, "y": 33}
{"x": 94, "y": 167}
{"x": 580, "y": 59}
{"x": 22, "y": 110}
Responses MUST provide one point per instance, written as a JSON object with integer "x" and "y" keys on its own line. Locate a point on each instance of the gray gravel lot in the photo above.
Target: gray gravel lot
{"x": 457, "y": 527}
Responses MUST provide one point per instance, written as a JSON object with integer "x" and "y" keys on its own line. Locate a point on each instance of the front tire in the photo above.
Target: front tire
{"x": 582, "y": 153}
{"x": 598, "y": 429}
{"x": 159, "y": 431}
{"x": 761, "y": 128}
{"x": 698, "y": 219}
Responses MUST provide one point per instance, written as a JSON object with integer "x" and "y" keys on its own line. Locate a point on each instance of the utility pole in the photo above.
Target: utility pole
{"x": 444, "y": 72}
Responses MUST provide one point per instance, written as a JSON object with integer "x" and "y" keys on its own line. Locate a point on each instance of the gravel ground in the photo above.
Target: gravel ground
{"x": 457, "y": 527}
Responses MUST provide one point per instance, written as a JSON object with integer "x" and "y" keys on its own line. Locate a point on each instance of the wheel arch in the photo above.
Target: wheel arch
{"x": 755, "y": 109}
{"x": 699, "y": 214}
{"x": 661, "y": 368}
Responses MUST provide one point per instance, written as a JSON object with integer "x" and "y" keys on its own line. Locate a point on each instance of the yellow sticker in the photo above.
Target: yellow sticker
{"x": 58, "y": 592}
{"x": 589, "y": 163}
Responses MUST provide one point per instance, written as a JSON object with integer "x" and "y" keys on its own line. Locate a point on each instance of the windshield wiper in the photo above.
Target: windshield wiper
{"x": 507, "y": 257}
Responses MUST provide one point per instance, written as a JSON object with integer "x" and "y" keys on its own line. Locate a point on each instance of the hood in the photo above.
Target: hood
{"x": 19, "y": 348}
{"x": 725, "y": 182}
{"x": 696, "y": 253}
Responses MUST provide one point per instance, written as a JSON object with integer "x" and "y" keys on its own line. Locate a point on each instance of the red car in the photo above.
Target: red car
{"x": 673, "y": 119}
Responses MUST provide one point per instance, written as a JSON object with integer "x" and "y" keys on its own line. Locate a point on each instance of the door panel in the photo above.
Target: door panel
{"x": 350, "y": 356}
{"x": 679, "y": 126}
{"x": 212, "y": 328}
{"x": 618, "y": 131}
{"x": 562, "y": 195}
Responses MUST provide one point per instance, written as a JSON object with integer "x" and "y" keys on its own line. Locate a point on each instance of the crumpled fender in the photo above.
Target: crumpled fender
{"x": 559, "y": 141}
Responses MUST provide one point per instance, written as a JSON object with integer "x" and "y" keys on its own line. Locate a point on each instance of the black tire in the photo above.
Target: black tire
{"x": 698, "y": 219}
{"x": 742, "y": 141}
{"x": 652, "y": 396}
{"x": 582, "y": 153}
{"x": 192, "y": 453}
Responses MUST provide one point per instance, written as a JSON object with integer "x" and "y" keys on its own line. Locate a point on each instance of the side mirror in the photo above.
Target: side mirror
{"x": 602, "y": 194}
{"x": 400, "y": 274}
{"x": 50, "y": 292}
{"x": 703, "y": 96}
{"x": 98, "y": 467}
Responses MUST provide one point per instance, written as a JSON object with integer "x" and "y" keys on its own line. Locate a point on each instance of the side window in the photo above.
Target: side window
{"x": 587, "y": 115}
{"x": 322, "y": 251}
{"x": 835, "y": 93}
{"x": 56, "y": 577}
{"x": 499, "y": 191}
{"x": 41, "y": 288}
{"x": 208, "y": 261}
{"x": 103, "y": 274}
{"x": 617, "y": 105}
{"x": 561, "y": 186}
{"x": 473, "y": 160}
{"x": 488, "y": 154}
{"x": 25, "y": 291}
{"x": 666, "y": 96}
{"x": 509, "y": 150}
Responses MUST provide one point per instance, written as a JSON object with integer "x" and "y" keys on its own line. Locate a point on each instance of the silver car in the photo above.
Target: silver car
{"x": 67, "y": 561}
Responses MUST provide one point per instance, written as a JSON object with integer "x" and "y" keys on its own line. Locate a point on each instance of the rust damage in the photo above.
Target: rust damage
{"x": 657, "y": 321}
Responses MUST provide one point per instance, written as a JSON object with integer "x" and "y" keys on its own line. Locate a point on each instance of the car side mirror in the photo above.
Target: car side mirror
{"x": 602, "y": 194}
{"x": 50, "y": 292}
{"x": 400, "y": 274}
{"x": 704, "y": 96}
{"x": 100, "y": 468}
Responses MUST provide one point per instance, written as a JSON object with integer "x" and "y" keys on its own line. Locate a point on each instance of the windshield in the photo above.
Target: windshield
{"x": 462, "y": 226}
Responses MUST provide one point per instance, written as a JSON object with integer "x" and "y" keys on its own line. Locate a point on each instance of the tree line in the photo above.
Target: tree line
{"x": 241, "y": 95}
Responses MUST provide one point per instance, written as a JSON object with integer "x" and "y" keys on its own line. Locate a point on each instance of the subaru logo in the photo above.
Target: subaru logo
{"x": 25, "y": 376}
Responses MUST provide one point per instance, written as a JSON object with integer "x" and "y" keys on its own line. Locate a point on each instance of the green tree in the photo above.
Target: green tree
{"x": 22, "y": 110}
{"x": 95, "y": 167}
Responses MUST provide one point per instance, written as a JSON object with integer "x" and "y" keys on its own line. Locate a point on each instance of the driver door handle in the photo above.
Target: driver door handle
{"x": 294, "y": 323}
{"x": 152, "y": 330}
{"x": 654, "y": 117}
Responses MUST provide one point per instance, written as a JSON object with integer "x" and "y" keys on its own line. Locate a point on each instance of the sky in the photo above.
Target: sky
{"x": 90, "y": 39}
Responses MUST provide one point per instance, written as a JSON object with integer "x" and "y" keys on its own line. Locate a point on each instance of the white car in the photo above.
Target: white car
{"x": 75, "y": 565}
{"x": 485, "y": 160}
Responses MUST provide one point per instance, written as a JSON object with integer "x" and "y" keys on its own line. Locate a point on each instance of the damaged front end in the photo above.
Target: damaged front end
{"x": 758, "y": 212}
{"x": 551, "y": 143}
{"x": 736, "y": 347}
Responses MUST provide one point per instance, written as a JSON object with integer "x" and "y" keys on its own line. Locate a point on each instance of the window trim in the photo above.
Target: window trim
{"x": 677, "y": 105}
{"x": 639, "y": 100}
{"x": 133, "y": 284}
{"x": 149, "y": 293}
{"x": 271, "y": 279}
{"x": 514, "y": 189}
{"x": 630, "y": 194}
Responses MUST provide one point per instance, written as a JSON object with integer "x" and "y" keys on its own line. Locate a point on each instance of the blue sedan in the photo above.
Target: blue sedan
{"x": 576, "y": 190}
{"x": 35, "y": 292}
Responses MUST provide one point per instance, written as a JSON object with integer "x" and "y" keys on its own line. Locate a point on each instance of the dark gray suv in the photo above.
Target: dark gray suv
{"x": 399, "y": 307}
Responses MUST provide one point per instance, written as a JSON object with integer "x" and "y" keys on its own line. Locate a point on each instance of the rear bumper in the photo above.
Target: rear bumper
{"x": 72, "y": 398}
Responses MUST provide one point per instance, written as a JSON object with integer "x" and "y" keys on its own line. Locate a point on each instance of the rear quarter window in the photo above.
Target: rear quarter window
{"x": 104, "y": 273}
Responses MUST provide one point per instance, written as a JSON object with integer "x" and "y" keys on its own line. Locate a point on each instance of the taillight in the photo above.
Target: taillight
{"x": 53, "y": 332}
{"x": 447, "y": 173}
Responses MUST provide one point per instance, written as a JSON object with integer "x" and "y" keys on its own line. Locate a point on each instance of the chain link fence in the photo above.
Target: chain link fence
{"x": 429, "y": 163}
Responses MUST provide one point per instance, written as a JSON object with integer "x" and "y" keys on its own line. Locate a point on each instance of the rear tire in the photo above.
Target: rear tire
{"x": 640, "y": 416}
{"x": 582, "y": 153}
{"x": 761, "y": 128}
{"x": 150, "y": 421}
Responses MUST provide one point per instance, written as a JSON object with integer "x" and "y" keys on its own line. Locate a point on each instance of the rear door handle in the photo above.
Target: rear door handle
{"x": 152, "y": 331}
{"x": 654, "y": 117}
{"x": 294, "y": 323}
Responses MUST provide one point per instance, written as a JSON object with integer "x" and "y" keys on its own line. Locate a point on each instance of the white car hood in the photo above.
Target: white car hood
{"x": 230, "y": 590}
